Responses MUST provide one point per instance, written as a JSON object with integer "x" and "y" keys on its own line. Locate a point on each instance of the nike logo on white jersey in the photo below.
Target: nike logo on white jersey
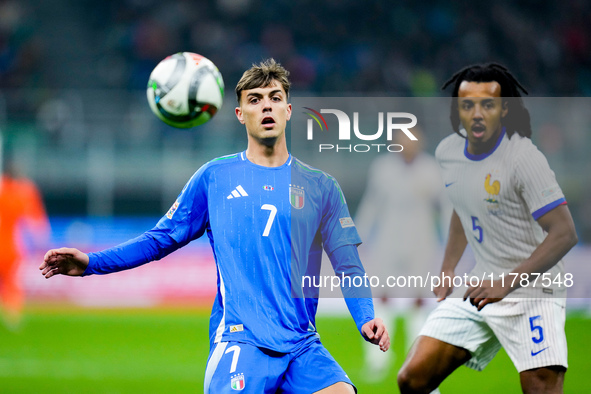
{"x": 538, "y": 352}
{"x": 238, "y": 192}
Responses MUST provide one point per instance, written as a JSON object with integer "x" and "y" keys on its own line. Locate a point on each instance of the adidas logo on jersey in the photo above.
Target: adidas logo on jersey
{"x": 238, "y": 192}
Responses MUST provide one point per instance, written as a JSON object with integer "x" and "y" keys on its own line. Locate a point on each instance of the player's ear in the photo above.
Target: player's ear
{"x": 505, "y": 109}
{"x": 239, "y": 115}
{"x": 288, "y": 111}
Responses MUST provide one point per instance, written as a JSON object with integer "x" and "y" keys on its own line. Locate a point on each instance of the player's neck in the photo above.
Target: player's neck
{"x": 267, "y": 153}
{"x": 487, "y": 146}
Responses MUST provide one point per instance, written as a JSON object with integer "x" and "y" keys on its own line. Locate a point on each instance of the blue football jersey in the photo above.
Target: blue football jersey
{"x": 266, "y": 226}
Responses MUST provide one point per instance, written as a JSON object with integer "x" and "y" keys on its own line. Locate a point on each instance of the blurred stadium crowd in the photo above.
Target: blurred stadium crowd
{"x": 73, "y": 74}
{"x": 403, "y": 48}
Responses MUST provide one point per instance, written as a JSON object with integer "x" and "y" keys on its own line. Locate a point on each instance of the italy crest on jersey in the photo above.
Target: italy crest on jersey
{"x": 237, "y": 382}
{"x": 296, "y": 196}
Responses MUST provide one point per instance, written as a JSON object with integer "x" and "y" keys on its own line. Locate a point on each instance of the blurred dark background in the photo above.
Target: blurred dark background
{"x": 407, "y": 48}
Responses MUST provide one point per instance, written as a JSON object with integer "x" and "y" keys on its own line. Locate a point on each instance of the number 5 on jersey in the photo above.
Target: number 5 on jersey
{"x": 477, "y": 228}
{"x": 272, "y": 213}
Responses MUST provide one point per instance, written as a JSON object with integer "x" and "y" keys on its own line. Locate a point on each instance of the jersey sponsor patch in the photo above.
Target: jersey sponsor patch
{"x": 237, "y": 328}
{"x": 172, "y": 210}
{"x": 346, "y": 222}
{"x": 268, "y": 188}
{"x": 237, "y": 382}
{"x": 548, "y": 192}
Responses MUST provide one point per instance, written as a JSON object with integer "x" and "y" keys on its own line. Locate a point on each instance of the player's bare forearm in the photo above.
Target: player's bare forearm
{"x": 561, "y": 237}
{"x": 456, "y": 244}
{"x": 64, "y": 261}
{"x": 375, "y": 331}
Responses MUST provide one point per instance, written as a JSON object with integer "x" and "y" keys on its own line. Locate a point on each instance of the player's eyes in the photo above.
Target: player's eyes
{"x": 466, "y": 106}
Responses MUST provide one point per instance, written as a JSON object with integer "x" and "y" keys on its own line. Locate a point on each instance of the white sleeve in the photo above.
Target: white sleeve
{"x": 537, "y": 183}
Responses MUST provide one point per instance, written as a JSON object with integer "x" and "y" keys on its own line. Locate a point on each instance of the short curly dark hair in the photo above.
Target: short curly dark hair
{"x": 263, "y": 75}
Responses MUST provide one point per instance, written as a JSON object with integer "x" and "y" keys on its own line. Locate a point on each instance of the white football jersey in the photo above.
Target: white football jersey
{"x": 498, "y": 197}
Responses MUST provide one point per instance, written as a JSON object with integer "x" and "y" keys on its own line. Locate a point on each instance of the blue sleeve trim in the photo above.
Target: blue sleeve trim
{"x": 545, "y": 209}
{"x": 91, "y": 267}
{"x": 362, "y": 311}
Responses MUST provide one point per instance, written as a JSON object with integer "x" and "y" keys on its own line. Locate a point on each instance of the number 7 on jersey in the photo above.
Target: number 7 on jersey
{"x": 273, "y": 209}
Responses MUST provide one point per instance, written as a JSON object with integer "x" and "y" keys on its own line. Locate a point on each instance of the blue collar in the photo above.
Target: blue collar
{"x": 484, "y": 155}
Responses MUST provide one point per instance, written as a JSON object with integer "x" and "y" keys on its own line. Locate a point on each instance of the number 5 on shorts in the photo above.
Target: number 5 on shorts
{"x": 539, "y": 329}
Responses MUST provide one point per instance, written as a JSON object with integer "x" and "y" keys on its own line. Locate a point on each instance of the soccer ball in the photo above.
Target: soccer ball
{"x": 185, "y": 90}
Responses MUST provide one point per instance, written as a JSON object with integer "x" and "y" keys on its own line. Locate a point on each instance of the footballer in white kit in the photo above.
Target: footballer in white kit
{"x": 487, "y": 192}
{"x": 498, "y": 197}
{"x": 510, "y": 209}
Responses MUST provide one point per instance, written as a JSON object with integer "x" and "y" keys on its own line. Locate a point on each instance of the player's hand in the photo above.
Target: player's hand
{"x": 486, "y": 293}
{"x": 375, "y": 331}
{"x": 445, "y": 287}
{"x": 64, "y": 261}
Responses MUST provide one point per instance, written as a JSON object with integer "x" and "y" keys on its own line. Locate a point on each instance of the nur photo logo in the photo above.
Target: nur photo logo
{"x": 347, "y": 131}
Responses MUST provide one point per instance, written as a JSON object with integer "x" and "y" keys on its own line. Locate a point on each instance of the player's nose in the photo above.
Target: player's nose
{"x": 477, "y": 112}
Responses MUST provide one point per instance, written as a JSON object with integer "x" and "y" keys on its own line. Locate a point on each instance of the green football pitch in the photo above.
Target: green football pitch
{"x": 165, "y": 350}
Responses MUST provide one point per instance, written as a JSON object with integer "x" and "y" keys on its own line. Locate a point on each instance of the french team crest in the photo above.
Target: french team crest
{"x": 296, "y": 196}
{"x": 237, "y": 382}
{"x": 493, "y": 189}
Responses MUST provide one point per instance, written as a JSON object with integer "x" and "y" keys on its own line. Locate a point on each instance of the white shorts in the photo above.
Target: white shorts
{"x": 530, "y": 330}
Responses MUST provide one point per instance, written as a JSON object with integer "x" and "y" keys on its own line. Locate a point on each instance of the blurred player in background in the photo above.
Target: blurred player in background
{"x": 21, "y": 213}
{"x": 404, "y": 201}
{"x": 267, "y": 216}
{"x": 510, "y": 209}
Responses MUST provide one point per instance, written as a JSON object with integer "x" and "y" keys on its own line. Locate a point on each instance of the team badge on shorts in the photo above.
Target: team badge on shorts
{"x": 296, "y": 196}
{"x": 237, "y": 382}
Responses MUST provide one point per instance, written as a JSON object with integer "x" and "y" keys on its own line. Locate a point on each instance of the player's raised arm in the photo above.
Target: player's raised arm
{"x": 184, "y": 222}
{"x": 64, "y": 261}
{"x": 456, "y": 244}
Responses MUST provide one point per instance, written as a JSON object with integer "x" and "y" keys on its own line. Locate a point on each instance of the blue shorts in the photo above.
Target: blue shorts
{"x": 235, "y": 366}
